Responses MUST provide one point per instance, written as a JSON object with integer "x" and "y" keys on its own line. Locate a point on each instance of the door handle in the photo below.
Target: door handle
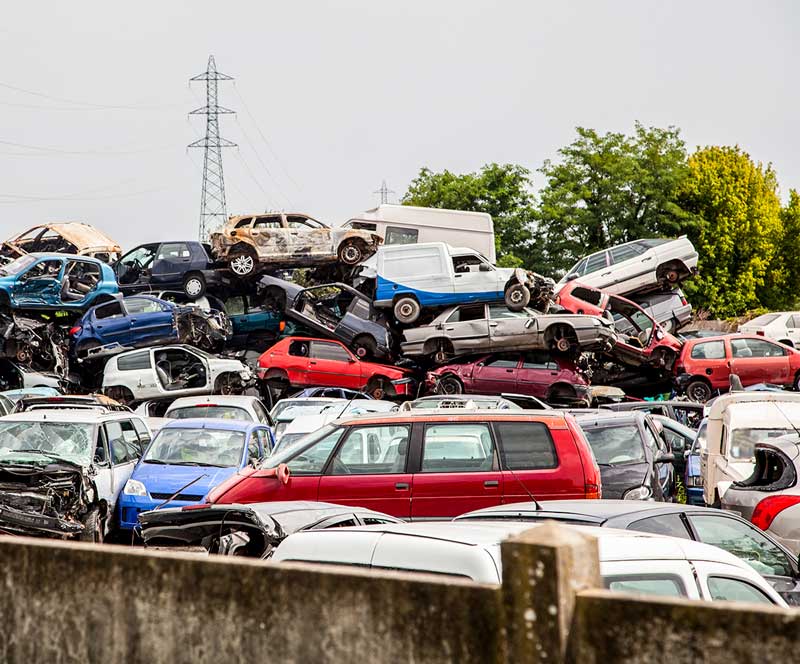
{"x": 649, "y": 258}
{"x": 312, "y": 362}
{"x": 449, "y": 329}
{"x": 458, "y": 276}
{"x": 509, "y": 371}
{"x": 490, "y": 483}
{"x": 492, "y": 324}
{"x": 133, "y": 320}
{"x": 605, "y": 274}
{"x": 402, "y": 486}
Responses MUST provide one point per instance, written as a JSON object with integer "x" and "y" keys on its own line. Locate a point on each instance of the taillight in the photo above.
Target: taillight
{"x": 760, "y": 333}
{"x": 766, "y": 511}
{"x": 74, "y": 330}
{"x": 684, "y": 301}
{"x": 592, "y": 491}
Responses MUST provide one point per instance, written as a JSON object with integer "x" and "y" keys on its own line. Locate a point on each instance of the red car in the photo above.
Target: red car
{"x": 304, "y": 362}
{"x": 640, "y": 339}
{"x": 553, "y": 378}
{"x": 705, "y": 364}
{"x": 416, "y": 465}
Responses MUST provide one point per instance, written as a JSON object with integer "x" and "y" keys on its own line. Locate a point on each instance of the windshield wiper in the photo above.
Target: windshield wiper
{"x": 155, "y": 461}
{"x": 36, "y": 450}
{"x": 195, "y": 463}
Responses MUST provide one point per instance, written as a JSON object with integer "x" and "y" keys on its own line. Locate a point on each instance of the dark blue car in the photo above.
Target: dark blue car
{"x": 187, "y": 459}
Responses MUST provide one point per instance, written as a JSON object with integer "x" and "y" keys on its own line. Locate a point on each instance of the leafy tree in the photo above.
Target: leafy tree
{"x": 737, "y": 231}
{"x": 789, "y": 251}
{"x": 608, "y": 189}
{"x": 502, "y": 190}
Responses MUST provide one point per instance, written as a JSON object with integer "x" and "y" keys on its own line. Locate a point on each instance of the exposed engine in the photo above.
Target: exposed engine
{"x": 205, "y": 328}
{"x": 41, "y": 345}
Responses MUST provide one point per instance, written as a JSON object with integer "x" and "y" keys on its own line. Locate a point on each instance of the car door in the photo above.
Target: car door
{"x": 80, "y": 281}
{"x": 307, "y": 237}
{"x": 474, "y": 279}
{"x": 759, "y": 361}
{"x": 721, "y": 582}
{"x": 467, "y": 328}
{"x": 149, "y": 319}
{"x": 510, "y": 329}
{"x": 630, "y": 268}
{"x": 368, "y": 469}
{"x": 123, "y": 444}
{"x": 658, "y": 448}
{"x": 459, "y": 470}
{"x": 111, "y": 324}
{"x": 537, "y": 373}
{"x": 265, "y": 441}
{"x": 40, "y": 284}
{"x": 102, "y": 465}
{"x": 270, "y": 237}
{"x": 594, "y": 272}
{"x": 331, "y": 364}
{"x": 496, "y": 374}
{"x": 172, "y": 261}
{"x": 298, "y": 362}
{"x": 793, "y": 329}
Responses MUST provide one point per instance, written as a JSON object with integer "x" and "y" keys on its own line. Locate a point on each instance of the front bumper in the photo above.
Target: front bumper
{"x": 32, "y": 523}
{"x": 131, "y": 506}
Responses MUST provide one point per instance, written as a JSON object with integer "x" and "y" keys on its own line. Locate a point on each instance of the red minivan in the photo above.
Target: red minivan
{"x": 706, "y": 364}
{"x": 427, "y": 465}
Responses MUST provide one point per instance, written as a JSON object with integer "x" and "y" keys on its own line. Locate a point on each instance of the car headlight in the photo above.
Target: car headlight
{"x": 694, "y": 481}
{"x": 639, "y": 493}
{"x": 134, "y": 488}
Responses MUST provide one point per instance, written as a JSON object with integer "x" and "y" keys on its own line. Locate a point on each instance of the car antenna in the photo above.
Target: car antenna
{"x": 521, "y": 483}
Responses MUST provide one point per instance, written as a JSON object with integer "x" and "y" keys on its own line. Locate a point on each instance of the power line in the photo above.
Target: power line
{"x": 130, "y": 107}
{"x": 263, "y": 165}
{"x": 254, "y": 178}
{"x": 52, "y": 150}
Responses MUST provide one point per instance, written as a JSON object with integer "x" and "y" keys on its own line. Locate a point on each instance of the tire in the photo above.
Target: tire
{"x": 92, "y": 531}
{"x": 517, "y": 296}
{"x": 562, "y": 339}
{"x": 351, "y": 252}
{"x": 194, "y": 285}
{"x": 227, "y": 384}
{"x": 698, "y": 390}
{"x": 365, "y": 347}
{"x": 407, "y": 309}
{"x": 242, "y": 262}
{"x": 796, "y": 382}
{"x": 561, "y": 395}
{"x": 379, "y": 387}
{"x": 120, "y": 394}
{"x": 449, "y": 385}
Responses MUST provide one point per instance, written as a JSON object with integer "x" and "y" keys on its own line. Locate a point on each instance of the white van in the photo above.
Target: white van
{"x": 736, "y": 422}
{"x": 408, "y": 224}
{"x": 434, "y": 274}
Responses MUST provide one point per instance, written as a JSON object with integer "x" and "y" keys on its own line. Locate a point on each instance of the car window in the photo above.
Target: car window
{"x": 766, "y": 319}
{"x": 587, "y": 295}
{"x": 457, "y": 448}
{"x": 302, "y": 223}
{"x": 360, "y": 308}
{"x": 651, "y": 584}
{"x": 234, "y": 306}
{"x": 261, "y": 413}
{"x": 143, "y": 431}
{"x": 134, "y": 361}
{"x": 614, "y": 445}
{"x": 664, "y": 524}
{"x": 373, "y": 450}
{"x": 140, "y": 305}
{"x": 323, "y": 350}
{"x": 253, "y": 451}
{"x": 173, "y": 252}
{"x": 595, "y": 262}
{"x": 45, "y": 268}
{"x": 793, "y": 322}
{"x": 743, "y": 541}
{"x": 756, "y": 348}
{"x": 467, "y": 313}
{"x": 626, "y": 252}
{"x": 308, "y": 461}
{"x": 467, "y": 264}
{"x": 526, "y": 445}
{"x": 709, "y": 350}
{"x": 265, "y": 439}
{"x": 501, "y": 312}
{"x": 267, "y": 223}
{"x": 653, "y": 442}
{"x": 538, "y": 359}
{"x": 398, "y": 235}
{"x": 502, "y": 362}
{"x": 110, "y": 310}
{"x": 122, "y": 449}
{"x": 735, "y": 590}
{"x": 243, "y": 222}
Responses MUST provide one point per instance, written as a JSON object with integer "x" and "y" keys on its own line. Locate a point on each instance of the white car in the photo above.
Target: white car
{"x": 630, "y": 561}
{"x": 76, "y": 464}
{"x": 636, "y": 266}
{"x": 172, "y": 371}
{"x": 220, "y": 406}
{"x": 782, "y": 326}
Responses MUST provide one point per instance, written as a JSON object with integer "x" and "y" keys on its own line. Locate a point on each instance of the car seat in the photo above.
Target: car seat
{"x": 399, "y": 464}
{"x": 164, "y": 372}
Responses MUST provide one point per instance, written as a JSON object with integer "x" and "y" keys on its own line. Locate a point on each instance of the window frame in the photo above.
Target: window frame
{"x": 500, "y": 449}
{"x": 328, "y": 470}
{"x": 495, "y": 449}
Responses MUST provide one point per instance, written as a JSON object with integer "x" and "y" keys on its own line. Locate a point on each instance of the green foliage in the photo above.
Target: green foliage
{"x": 501, "y": 190}
{"x": 737, "y": 231}
{"x": 611, "y": 188}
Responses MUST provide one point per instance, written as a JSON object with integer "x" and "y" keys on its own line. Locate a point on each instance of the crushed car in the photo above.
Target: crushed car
{"x": 142, "y": 320}
{"x": 251, "y": 243}
{"x": 334, "y": 310}
{"x": 68, "y": 237}
{"x": 474, "y": 328}
{"x": 36, "y": 343}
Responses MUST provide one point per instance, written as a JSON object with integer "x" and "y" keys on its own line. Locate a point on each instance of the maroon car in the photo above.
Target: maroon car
{"x": 553, "y": 378}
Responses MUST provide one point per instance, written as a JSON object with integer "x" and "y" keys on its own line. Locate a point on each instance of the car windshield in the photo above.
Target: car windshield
{"x": 71, "y": 441}
{"x": 18, "y": 265}
{"x": 616, "y": 445}
{"x": 196, "y": 447}
{"x": 210, "y": 411}
{"x": 766, "y": 319}
{"x": 290, "y": 403}
{"x": 742, "y": 442}
{"x": 288, "y": 448}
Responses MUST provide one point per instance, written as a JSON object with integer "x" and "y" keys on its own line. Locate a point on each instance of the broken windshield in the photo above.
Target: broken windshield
{"x": 64, "y": 440}
{"x": 196, "y": 447}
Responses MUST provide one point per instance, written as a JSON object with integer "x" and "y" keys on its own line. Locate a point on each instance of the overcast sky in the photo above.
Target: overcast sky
{"x": 333, "y": 97}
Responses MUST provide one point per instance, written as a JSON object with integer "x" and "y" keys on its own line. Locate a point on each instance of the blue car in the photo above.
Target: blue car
{"x": 56, "y": 281}
{"x": 187, "y": 459}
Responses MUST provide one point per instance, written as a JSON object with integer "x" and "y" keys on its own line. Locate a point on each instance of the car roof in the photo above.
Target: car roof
{"x": 633, "y": 405}
{"x": 554, "y": 418}
{"x": 608, "y": 418}
{"x": 46, "y": 254}
{"x": 763, "y": 414}
{"x": 79, "y": 416}
{"x": 212, "y": 423}
{"x": 214, "y": 400}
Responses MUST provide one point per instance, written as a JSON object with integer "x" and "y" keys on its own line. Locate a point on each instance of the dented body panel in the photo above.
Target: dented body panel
{"x": 69, "y": 237}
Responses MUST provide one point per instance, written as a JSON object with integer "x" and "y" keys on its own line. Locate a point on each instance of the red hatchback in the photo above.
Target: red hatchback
{"x": 302, "y": 362}
{"x": 554, "y": 378}
{"x": 705, "y": 364}
{"x": 427, "y": 465}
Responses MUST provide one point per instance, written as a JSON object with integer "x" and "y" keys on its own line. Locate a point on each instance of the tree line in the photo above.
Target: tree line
{"x": 605, "y": 189}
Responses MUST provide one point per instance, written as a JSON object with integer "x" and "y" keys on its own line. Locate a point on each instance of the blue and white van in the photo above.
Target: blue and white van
{"x": 434, "y": 274}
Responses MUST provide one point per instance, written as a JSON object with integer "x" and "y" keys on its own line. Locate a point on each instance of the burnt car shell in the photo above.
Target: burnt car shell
{"x": 44, "y": 497}
{"x": 69, "y": 237}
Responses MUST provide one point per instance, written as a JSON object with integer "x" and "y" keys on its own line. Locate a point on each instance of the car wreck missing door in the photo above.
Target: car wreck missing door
{"x": 69, "y": 237}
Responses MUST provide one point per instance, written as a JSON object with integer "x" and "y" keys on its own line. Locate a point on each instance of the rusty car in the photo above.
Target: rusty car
{"x": 65, "y": 237}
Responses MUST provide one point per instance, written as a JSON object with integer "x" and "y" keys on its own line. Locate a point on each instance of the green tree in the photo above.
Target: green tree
{"x": 782, "y": 291}
{"x": 737, "y": 231}
{"x": 502, "y": 190}
{"x": 611, "y": 188}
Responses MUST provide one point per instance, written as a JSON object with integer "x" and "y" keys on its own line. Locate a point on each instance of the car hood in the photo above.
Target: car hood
{"x": 618, "y": 479}
{"x": 166, "y": 479}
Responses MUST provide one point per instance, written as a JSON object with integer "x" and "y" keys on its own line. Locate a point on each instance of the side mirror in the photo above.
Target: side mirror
{"x": 571, "y": 276}
{"x": 483, "y": 267}
{"x": 666, "y": 458}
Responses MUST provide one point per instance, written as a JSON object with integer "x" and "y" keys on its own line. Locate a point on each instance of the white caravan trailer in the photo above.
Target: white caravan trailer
{"x": 406, "y": 224}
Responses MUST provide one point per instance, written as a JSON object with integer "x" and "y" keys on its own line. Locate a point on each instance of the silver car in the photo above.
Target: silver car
{"x": 472, "y": 328}
{"x": 770, "y": 497}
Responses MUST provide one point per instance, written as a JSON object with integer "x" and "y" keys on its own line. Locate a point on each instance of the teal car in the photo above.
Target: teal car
{"x": 56, "y": 281}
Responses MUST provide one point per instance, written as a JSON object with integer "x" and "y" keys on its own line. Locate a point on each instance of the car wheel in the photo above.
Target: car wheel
{"x": 406, "y": 310}
{"x": 243, "y": 263}
{"x": 120, "y": 394}
{"x": 672, "y": 276}
{"x": 365, "y": 347}
{"x": 699, "y": 391}
{"x": 562, "y": 339}
{"x": 379, "y": 388}
{"x": 517, "y": 296}
{"x": 796, "y": 383}
{"x": 227, "y": 384}
{"x": 351, "y": 252}
{"x": 92, "y": 530}
{"x": 194, "y": 285}
{"x": 449, "y": 385}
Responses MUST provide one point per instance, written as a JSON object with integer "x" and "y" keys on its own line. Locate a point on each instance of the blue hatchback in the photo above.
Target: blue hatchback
{"x": 186, "y": 460}
{"x": 56, "y": 281}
